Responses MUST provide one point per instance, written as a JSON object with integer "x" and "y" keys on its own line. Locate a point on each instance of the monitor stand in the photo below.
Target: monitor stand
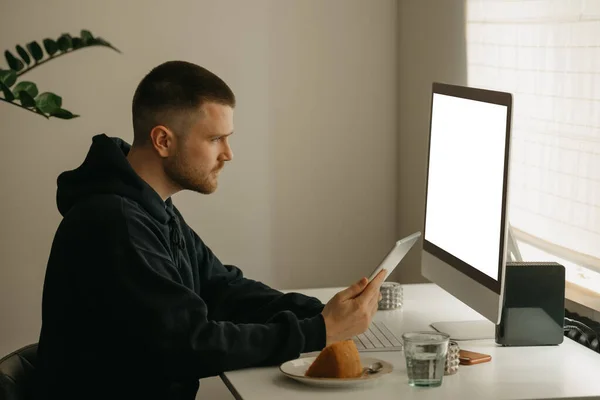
{"x": 467, "y": 330}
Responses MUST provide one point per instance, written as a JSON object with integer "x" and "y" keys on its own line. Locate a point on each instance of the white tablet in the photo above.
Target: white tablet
{"x": 396, "y": 255}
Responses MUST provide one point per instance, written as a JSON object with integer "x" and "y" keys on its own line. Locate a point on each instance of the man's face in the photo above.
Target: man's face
{"x": 202, "y": 152}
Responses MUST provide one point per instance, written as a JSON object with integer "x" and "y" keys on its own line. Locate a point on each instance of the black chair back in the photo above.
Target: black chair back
{"x": 16, "y": 374}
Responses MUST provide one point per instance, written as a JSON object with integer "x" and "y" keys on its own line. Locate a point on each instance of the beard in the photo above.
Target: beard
{"x": 186, "y": 177}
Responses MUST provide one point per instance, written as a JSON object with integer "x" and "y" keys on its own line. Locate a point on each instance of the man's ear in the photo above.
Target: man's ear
{"x": 163, "y": 140}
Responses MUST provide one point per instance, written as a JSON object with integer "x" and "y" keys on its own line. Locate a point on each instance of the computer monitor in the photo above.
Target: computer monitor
{"x": 466, "y": 229}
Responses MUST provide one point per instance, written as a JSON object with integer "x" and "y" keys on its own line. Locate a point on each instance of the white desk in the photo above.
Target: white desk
{"x": 567, "y": 371}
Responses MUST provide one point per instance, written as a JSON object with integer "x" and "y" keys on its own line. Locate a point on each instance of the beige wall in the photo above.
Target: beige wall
{"x": 310, "y": 199}
{"x": 431, "y": 47}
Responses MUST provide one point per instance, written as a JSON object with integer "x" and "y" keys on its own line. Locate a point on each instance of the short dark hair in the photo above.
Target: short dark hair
{"x": 170, "y": 93}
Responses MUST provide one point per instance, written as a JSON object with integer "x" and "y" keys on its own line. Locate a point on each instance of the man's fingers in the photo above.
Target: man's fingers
{"x": 373, "y": 288}
{"x": 375, "y": 307}
{"x": 354, "y": 290}
{"x": 374, "y": 300}
{"x": 377, "y": 299}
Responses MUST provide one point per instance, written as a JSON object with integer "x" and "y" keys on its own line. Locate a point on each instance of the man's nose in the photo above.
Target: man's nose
{"x": 227, "y": 153}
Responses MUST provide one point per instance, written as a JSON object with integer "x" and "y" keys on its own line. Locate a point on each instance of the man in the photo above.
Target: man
{"x": 135, "y": 304}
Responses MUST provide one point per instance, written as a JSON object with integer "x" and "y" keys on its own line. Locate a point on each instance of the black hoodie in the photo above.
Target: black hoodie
{"x": 135, "y": 305}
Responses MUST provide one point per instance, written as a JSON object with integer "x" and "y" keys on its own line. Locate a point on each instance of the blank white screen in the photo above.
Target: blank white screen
{"x": 466, "y": 171}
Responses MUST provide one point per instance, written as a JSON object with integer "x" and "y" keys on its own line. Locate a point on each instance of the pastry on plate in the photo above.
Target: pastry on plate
{"x": 338, "y": 360}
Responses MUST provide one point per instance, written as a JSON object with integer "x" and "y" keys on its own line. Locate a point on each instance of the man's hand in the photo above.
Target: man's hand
{"x": 350, "y": 311}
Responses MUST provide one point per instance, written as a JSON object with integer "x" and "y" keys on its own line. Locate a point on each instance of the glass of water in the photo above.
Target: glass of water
{"x": 425, "y": 354}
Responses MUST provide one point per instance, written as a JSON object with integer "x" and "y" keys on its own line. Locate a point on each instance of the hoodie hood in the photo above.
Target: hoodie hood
{"x": 106, "y": 170}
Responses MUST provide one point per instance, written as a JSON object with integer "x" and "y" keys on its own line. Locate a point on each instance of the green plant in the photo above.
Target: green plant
{"x": 46, "y": 104}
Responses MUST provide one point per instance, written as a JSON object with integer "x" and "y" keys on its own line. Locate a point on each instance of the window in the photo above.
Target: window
{"x": 547, "y": 53}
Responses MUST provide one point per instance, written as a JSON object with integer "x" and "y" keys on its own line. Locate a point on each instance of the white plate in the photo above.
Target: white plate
{"x": 296, "y": 369}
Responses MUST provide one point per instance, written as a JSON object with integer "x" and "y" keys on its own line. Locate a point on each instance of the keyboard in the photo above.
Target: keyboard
{"x": 378, "y": 338}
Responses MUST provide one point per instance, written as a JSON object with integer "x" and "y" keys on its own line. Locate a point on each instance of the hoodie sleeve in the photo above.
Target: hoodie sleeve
{"x": 232, "y": 297}
{"x": 172, "y": 322}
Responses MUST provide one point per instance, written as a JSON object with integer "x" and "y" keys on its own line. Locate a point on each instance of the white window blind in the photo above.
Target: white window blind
{"x": 547, "y": 53}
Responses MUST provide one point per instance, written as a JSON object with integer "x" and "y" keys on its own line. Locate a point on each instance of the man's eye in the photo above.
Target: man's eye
{"x": 218, "y": 139}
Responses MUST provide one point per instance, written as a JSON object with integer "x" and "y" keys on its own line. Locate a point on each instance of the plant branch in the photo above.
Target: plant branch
{"x": 25, "y": 108}
{"x": 61, "y": 54}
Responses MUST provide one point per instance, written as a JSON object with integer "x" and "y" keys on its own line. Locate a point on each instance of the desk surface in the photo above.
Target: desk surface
{"x": 569, "y": 370}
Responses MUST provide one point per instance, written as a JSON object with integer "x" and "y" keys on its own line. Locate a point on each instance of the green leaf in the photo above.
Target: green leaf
{"x": 86, "y": 37}
{"x": 65, "y": 42}
{"x": 48, "y": 102}
{"x": 63, "y": 114}
{"x": 13, "y": 62}
{"x": 7, "y": 93}
{"x": 102, "y": 42}
{"x": 24, "y": 55}
{"x": 50, "y": 46}
{"x": 35, "y": 50}
{"x": 25, "y": 87}
{"x": 26, "y": 99}
{"x": 8, "y": 77}
{"x": 77, "y": 43}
